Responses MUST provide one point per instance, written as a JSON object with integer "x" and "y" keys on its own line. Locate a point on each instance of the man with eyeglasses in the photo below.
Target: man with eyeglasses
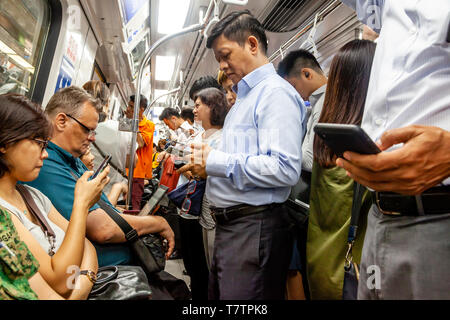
{"x": 74, "y": 115}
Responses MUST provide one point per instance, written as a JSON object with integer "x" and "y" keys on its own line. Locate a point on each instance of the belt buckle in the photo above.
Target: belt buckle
{"x": 391, "y": 213}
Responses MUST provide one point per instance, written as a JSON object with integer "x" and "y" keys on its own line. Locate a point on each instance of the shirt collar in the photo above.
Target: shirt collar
{"x": 252, "y": 79}
{"x": 315, "y": 96}
{"x": 65, "y": 155}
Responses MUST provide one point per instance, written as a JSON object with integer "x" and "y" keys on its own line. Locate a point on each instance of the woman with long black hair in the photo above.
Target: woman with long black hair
{"x": 331, "y": 189}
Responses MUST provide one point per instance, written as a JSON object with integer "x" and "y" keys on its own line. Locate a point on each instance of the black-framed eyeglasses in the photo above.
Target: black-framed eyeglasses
{"x": 42, "y": 143}
{"x": 91, "y": 133}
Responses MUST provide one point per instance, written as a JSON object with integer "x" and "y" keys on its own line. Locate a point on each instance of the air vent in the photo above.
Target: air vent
{"x": 288, "y": 15}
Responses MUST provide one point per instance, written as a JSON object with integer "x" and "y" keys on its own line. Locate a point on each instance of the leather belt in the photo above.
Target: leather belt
{"x": 222, "y": 215}
{"x": 432, "y": 201}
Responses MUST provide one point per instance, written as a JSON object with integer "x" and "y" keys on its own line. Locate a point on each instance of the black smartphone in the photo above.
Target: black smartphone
{"x": 346, "y": 137}
{"x": 178, "y": 164}
{"x": 102, "y": 166}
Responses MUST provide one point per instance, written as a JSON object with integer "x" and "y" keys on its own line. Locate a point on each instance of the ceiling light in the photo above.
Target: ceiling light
{"x": 164, "y": 68}
{"x": 172, "y": 15}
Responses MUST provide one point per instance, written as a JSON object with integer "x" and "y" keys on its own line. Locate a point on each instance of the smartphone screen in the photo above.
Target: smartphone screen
{"x": 102, "y": 166}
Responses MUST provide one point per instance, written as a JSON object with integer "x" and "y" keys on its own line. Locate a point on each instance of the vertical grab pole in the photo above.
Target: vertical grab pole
{"x": 137, "y": 100}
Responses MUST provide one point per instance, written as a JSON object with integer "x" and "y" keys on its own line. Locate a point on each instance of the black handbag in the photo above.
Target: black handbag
{"x": 121, "y": 283}
{"x": 148, "y": 250}
{"x": 351, "y": 269}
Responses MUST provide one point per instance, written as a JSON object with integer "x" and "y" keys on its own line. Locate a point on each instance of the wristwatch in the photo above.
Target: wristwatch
{"x": 92, "y": 276}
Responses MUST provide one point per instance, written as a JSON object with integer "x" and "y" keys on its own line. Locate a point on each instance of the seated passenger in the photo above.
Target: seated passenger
{"x": 24, "y": 130}
{"x": 117, "y": 189}
{"x": 74, "y": 115}
{"x": 88, "y": 159}
{"x": 20, "y": 278}
{"x": 227, "y": 85}
{"x": 331, "y": 189}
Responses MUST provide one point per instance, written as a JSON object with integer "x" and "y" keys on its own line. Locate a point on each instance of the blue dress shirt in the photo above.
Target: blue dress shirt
{"x": 57, "y": 183}
{"x": 259, "y": 157}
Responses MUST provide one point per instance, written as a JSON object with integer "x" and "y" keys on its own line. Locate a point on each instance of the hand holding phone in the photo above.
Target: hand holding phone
{"x": 346, "y": 137}
{"x": 102, "y": 166}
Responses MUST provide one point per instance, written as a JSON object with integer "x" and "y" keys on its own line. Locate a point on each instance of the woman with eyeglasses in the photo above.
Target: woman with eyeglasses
{"x": 210, "y": 110}
{"x": 67, "y": 260}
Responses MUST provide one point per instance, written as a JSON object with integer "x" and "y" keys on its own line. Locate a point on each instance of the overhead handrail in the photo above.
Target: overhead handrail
{"x": 310, "y": 39}
{"x": 144, "y": 62}
{"x": 320, "y": 17}
{"x": 161, "y": 96}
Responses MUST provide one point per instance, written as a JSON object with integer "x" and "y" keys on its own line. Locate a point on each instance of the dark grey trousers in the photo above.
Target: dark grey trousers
{"x": 405, "y": 257}
{"x": 251, "y": 257}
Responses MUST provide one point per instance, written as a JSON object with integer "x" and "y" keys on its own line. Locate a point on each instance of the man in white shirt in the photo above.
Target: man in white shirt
{"x": 406, "y": 252}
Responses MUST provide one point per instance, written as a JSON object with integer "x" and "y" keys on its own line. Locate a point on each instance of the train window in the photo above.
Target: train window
{"x": 24, "y": 27}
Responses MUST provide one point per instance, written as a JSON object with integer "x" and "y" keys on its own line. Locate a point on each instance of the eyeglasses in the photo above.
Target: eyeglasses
{"x": 91, "y": 133}
{"x": 186, "y": 205}
{"x": 42, "y": 143}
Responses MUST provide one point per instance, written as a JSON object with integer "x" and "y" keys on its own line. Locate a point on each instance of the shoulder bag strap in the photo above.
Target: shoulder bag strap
{"x": 358, "y": 192}
{"x": 31, "y": 205}
{"x": 33, "y": 209}
{"x": 130, "y": 233}
{"x": 110, "y": 163}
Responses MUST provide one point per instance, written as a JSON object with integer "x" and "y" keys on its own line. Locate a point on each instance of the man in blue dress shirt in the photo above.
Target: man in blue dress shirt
{"x": 250, "y": 175}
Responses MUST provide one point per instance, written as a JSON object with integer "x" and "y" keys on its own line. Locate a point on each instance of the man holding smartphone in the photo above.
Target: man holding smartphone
{"x": 250, "y": 174}
{"x": 407, "y": 242}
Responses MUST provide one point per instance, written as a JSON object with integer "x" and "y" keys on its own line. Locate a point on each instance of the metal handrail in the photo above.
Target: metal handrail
{"x": 161, "y": 96}
{"x": 144, "y": 62}
{"x": 289, "y": 43}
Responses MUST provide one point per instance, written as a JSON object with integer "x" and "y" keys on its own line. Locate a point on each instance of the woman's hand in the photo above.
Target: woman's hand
{"x": 88, "y": 192}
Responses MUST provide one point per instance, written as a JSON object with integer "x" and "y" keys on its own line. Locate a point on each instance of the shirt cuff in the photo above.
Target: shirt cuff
{"x": 216, "y": 164}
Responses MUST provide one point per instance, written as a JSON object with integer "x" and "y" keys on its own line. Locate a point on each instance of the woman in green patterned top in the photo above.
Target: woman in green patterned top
{"x": 19, "y": 276}
{"x": 331, "y": 189}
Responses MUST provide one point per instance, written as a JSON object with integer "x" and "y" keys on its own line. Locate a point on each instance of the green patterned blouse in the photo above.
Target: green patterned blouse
{"x": 17, "y": 264}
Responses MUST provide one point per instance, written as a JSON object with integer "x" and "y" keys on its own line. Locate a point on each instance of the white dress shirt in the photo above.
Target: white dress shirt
{"x": 410, "y": 78}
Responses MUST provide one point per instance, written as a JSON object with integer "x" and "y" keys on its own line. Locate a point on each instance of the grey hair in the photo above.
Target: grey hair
{"x": 71, "y": 100}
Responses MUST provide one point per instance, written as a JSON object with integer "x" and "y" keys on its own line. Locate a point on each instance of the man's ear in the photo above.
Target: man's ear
{"x": 253, "y": 44}
{"x": 2, "y": 149}
{"x": 60, "y": 122}
{"x": 307, "y": 73}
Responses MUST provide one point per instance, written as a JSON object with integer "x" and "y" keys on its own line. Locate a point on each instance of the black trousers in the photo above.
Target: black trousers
{"x": 251, "y": 257}
{"x": 194, "y": 258}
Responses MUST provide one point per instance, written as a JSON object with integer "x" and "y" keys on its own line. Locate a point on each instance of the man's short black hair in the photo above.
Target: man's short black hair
{"x": 143, "y": 103}
{"x": 187, "y": 113}
{"x": 295, "y": 61}
{"x": 168, "y": 113}
{"x": 203, "y": 83}
{"x": 238, "y": 26}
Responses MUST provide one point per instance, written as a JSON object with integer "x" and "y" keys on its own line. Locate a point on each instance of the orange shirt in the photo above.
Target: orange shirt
{"x": 144, "y": 166}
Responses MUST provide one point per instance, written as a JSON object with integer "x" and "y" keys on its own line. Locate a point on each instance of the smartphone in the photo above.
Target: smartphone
{"x": 346, "y": 137}
{"x": 102, "y": 166}
{"x": 178, "y": 164}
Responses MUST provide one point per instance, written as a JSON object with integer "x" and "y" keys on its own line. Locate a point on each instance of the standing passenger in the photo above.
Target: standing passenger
{"x": 407, "y": 241}
{"x": 144, "y": 151}
{"x": 331, "y": 189}
{"x": 254, "y": 167}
